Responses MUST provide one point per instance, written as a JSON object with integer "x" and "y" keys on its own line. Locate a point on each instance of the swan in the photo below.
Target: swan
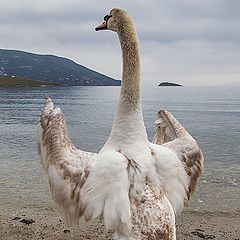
{"x": 134, "y": 185}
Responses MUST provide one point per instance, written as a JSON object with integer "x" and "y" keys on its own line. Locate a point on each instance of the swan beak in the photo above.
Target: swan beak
{"x": 103, "y": 26}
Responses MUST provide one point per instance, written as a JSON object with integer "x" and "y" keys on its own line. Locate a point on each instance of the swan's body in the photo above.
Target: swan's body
{"x": 127, "y": 143}
{"x": 136, "y": 186}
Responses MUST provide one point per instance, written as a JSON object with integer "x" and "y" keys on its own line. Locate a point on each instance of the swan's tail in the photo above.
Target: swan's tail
{"x": 105, "y": 192}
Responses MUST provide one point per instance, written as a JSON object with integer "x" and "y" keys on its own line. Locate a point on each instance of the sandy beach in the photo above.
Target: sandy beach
{"x": 191, "y": 225}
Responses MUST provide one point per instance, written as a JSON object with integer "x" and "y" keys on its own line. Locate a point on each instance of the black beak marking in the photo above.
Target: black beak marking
{"x": 106, "y": 18}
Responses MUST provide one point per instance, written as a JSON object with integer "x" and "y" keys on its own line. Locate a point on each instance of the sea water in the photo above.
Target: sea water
{"x": 210, "y": 114}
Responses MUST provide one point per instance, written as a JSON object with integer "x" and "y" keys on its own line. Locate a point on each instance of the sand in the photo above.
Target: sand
{"x": 47, "y": 224}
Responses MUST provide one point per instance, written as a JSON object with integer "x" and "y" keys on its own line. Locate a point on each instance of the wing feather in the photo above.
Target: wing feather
{"x": 66, "y": 166}
{"x": 153, "y": 216}
{"x": 173, "y": 136}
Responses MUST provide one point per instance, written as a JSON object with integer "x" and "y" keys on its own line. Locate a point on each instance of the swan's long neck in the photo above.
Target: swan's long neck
{"x": 128, "y": 128}
{"x": 131, "y": 76}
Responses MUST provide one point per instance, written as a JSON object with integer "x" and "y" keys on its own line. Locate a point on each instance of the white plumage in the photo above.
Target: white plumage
{"x": 136, "y": 186}
{"x": 174, "y": 180}
{"x": 105, "y": 191}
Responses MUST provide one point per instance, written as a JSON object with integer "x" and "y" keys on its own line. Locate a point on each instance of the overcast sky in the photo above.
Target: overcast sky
{"x": 191, "y": 42}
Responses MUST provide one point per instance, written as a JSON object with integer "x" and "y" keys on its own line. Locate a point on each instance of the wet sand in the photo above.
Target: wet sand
{"x": 191, "y": 225}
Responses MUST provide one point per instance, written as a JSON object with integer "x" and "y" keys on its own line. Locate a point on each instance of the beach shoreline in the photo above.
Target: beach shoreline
{"x": 48, "y": 224}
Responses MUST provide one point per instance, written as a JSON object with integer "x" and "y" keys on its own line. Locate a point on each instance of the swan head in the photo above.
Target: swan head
{"x": 114, "y": 20}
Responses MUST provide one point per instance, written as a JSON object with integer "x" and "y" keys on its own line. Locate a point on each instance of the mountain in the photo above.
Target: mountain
{"x": 50, "y": 68}
{"x": 169, "y": 84}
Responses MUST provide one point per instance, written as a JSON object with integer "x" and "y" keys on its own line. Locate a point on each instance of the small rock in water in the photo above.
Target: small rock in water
{"x": 200, "y": 233}
{"x": 23, "y": 220}
{"x": 16, "y": 219}
{"x": 27, "y": 221}
{"x": 209, "y": 237}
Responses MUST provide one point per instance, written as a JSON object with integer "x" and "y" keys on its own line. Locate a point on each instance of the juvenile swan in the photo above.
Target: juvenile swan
{"x": 134, "y": 185}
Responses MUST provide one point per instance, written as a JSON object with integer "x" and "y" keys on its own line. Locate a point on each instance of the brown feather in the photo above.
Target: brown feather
{"x": 152, "y": 217}
{"x": 72, "y": 165}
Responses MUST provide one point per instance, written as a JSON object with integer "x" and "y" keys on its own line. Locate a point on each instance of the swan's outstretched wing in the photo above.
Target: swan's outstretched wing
{"x": 179, "y": 156}
{"x": 66, "y": 166}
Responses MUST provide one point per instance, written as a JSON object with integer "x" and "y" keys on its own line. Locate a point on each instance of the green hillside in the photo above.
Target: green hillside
{"x": 23, "y": 82}
{"x": 50, "y": 68}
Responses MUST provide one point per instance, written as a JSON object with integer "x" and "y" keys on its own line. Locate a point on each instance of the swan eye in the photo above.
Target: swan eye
{"x": 106, "y": 18}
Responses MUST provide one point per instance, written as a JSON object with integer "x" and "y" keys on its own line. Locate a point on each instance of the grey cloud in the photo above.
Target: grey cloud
{"x": 177, "y": 37}
{"x": 193, "y": 32}
{"x": 174, "y": 21}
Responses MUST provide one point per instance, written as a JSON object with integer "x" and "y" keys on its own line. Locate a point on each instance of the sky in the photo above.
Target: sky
{"x": 190, "y": 42}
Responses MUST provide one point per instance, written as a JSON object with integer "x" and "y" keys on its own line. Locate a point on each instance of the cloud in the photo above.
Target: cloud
{"x": 183, "y": 40}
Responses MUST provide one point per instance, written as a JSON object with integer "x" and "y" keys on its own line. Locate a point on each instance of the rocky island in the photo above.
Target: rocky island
{"x": 169, "y": 84}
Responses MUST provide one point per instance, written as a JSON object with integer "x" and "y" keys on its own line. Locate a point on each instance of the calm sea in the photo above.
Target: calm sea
{"x": 210, "y": 114}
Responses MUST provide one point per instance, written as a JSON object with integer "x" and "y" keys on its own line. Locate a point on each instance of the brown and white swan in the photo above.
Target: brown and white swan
{"x": 136, "y": 186}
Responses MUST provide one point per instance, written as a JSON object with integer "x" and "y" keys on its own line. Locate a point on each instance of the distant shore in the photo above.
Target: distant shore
{"x": 23, "y": 82}
{"x": 48, "y": 224}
